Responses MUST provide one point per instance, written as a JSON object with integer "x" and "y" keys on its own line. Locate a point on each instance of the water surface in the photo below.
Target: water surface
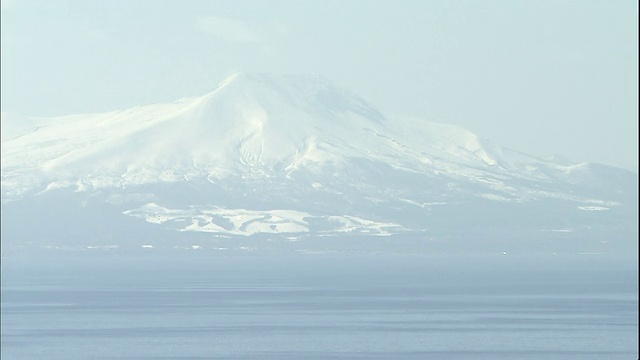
{"x": 320, "y": 307}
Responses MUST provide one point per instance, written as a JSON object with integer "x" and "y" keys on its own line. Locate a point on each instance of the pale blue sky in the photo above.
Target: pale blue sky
{"x": 543, "y": 77}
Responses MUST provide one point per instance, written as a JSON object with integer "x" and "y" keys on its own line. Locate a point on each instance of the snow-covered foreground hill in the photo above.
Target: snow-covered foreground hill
{"x": 294, "y": 162}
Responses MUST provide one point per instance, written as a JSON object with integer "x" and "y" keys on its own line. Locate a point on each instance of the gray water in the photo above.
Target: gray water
{"x": 320, "y": 307}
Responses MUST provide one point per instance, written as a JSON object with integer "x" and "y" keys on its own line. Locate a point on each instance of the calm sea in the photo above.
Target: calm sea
{"x": 320, "y": 307}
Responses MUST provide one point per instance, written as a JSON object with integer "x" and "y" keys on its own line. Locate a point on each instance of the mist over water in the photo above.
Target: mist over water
{"x": 320, "y": 306}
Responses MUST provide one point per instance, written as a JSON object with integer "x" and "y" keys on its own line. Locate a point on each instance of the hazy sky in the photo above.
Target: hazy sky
{"x": 544, "y": 77}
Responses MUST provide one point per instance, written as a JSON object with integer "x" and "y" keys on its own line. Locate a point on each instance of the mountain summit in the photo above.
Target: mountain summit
{"x": 248, "y": 122}
{"x": 297, "y": 158}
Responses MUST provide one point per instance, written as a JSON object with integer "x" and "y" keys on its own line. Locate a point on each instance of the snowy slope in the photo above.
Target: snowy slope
{"x": 259, "y": 125}
{"x": 288, "y": 154}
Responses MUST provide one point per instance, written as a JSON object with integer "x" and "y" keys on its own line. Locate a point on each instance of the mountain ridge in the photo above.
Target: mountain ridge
{"x": 296, "y": 152}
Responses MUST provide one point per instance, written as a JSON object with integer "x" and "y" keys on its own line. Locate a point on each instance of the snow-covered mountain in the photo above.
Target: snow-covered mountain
{"x": 294, "y": 159}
